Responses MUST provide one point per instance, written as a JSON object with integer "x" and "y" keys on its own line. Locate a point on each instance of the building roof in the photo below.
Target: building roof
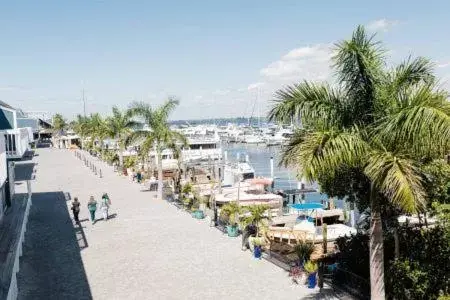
{"x": 6, "y": 105}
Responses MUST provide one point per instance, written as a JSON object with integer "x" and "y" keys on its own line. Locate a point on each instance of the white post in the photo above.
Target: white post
{"x": 238, "y": 156}
{"x": 271, "y": 168}
{"x": 246, "y": 158}
{"x": 225, "y": 156}
{"x": 303, "y": 183}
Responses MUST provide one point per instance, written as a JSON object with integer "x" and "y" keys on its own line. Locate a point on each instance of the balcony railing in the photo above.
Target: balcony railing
{"x": 17, "y": 142}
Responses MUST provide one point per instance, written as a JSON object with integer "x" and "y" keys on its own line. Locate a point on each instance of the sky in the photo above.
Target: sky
{"x": 219, "y": 58}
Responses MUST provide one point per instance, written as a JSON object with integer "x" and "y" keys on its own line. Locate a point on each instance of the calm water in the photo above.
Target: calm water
{"x": 259, "y": 158}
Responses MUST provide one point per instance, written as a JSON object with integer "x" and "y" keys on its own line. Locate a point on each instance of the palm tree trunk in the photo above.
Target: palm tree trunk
{"x": 396, "y": 244}
{"x": 160, "y": 175}
{"x": 121, "y": 157}
{"x": 376, "y": 249}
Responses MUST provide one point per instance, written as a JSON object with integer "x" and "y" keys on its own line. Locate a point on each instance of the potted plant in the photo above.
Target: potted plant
{"x": 311, "y": 268}
{"x": 231, "y": 211}
{"x": 199, "y": 212}
{"x": 255, "y": 214}
{"x": 128, "y": 163}
{"x": 257, "y": 242}
{"x": 187, "y": 195}
{"x": 303, "y": 251}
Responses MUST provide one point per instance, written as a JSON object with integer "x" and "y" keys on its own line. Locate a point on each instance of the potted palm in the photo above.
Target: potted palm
{"x": 199, "y": 212}
{"x": 187, "y": 195}
{"x": 257, "y": 242}
{"x": 231, "y": 212}
{"x": 128, "y": 164}
{"x": 311, "y": 268}
{"x": 255, "y": 217}
{"x": 303, "y": 251}
{"x": 255, "y": 214}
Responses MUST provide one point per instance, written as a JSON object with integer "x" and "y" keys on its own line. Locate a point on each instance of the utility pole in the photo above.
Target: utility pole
{"x": 84, "y": 103}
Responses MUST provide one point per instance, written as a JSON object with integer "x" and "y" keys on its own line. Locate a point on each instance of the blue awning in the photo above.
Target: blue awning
{"x": 306, "y": 206}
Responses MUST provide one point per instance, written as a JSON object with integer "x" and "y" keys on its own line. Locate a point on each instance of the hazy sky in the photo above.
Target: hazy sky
{"x": 216, "y": 56}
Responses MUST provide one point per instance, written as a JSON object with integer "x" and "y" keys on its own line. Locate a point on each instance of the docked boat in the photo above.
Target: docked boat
{"x": 280, "y": 137}
{"x": 251, "y": 192}
{"x": 235, "y": 172}
{"x": 253, "y": 139}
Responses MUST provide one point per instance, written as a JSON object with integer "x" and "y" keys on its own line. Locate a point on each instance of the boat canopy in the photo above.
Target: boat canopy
{"x": 306, "y": 206}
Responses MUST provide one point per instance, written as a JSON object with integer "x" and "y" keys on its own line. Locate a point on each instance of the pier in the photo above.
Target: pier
{"x": 147, "y": 250}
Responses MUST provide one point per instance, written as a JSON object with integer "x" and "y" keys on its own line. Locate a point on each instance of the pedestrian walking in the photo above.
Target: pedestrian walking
{"x": 76, "y": 209}
{"x": 139, "y": 176}
{"x": 105, "y": 206}
{"x": 92, "y": 207}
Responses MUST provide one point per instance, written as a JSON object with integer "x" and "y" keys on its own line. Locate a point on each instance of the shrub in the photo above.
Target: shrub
{"x": 304, "y": 250}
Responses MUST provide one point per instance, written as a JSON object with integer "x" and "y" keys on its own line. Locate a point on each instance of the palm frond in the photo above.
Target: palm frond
{"x": 421, "y": 119}
{"x": 142, "y": 110}
{"x": 309, "y": 101}
{"x": 411, "y": 72}
{"x": 358, "y": 64}
{"x": 398, "y": 178}
{"x": 320, "y": 152}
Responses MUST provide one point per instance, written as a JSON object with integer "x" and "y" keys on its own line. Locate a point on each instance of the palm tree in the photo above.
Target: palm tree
{"x": 97, "y": 129}
{"x": 59, "y": 124}
{"x": 120, "y": 126}
{"x": 382, "y": 122}
{"x": 158, "y": 135}
{"x": 81, "y": 127}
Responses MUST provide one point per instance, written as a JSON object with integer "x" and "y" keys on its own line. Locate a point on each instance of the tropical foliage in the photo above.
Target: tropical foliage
{"x": 158, "y": 134}
{"x": 303, "y": 250}
{"x": 120, "y": 126}
{"x": 420, "y": 272}
{"x": 231, "y": 212}
{"x": 256, "y": 215}
{"x": 379, "y": 124}
{"x": 59, "y": 124}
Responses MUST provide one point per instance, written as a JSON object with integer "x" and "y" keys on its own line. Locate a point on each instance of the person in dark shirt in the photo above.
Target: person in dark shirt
{"x": 75, "y": 209}
{"x": 249, "y": 231}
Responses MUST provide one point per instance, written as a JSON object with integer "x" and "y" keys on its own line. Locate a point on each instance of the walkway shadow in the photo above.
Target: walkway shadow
{"x": 112, "y": 216}
{"x": 81, "y": 237}
{"x": 51, "y": 266}
{"x": 24, "y": 171}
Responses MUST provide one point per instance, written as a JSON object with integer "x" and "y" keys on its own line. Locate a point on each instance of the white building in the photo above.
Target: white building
{"x": 3, "y": 174}
{"x": 17, "y": 140}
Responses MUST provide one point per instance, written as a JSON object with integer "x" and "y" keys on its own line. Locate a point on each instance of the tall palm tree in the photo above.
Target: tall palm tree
{"x": 81, "y": 127}
{"x": 120, "y": 126}
{"x": 59, "y": 124}
{"x": 382, "y": 122}
{"x": 97, "y": 129}
{"x": 158, "y": 135}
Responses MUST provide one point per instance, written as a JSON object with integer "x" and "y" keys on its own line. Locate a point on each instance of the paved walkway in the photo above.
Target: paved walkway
{"x": 150, "y": 250}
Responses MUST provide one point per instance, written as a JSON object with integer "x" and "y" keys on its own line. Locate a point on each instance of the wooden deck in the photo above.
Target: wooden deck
{"x": 12, "y": 229}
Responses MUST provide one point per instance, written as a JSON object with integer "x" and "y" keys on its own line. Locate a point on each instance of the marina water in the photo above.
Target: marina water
{"x": 285, "y": 178}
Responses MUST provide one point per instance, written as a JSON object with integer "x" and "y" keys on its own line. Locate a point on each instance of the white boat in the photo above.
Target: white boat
{"x": 203, "y": 145}
{"x": 253, "y": 139}
{"x": 280, "y": 137}
{"x": 250, "y": 192}
{"x": 236, "y": 172}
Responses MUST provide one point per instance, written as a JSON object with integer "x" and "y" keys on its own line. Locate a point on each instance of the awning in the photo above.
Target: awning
{"x": 306, "y": 206}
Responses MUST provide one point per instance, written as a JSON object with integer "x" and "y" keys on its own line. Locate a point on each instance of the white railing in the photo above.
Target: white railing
{"x": 201, "y": 154}
{"x": 17, "y": 142}
{"x": 13, "y": 288}
{"x": 3, "y": 168}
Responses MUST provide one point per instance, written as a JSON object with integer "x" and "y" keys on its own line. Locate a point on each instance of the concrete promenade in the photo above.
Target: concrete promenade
{"x": 148, "y": 250}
